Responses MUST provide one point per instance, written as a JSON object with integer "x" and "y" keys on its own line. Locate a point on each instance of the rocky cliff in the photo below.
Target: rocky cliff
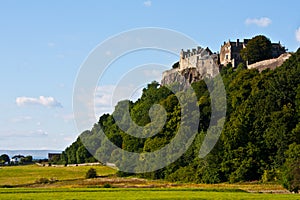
{"x": 192, "y": 67}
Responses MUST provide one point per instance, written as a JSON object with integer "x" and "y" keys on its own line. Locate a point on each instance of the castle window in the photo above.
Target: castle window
{"x": 226, "y": 57}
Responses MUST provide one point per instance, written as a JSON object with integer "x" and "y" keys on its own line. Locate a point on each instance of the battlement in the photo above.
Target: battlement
{"x": 199, "y": 51}
{"x": 194, "y": 65}
{"x": 195, "y": 58}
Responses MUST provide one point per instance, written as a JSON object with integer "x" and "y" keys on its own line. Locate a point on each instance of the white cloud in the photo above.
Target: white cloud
{"x": 298, "y": 34}
{"x": 42, "y": 101}
{"x": 148, "y": 3}
{"x": 262, "y": 22}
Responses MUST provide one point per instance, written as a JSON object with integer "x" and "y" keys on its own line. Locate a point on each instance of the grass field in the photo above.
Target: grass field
{"x": 28, "y": 174}
{"x": 18, "y": 182}
{"x": 117, "y": 193}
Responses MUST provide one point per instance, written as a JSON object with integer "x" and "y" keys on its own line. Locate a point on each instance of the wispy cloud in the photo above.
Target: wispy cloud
{"x": 42, "y": 101}
{"x": 21, "y": 119}
{"x": 68, "y": 117}
{"x": 298, "y": 34}
{"x": 38, "y": 132}
{"x": 60, "y": 56}
{"x": 19, "y": 134}
{"x": 148, "y": 3}
{"x": 262, "y": 22}
{"x": 51, "y": 44}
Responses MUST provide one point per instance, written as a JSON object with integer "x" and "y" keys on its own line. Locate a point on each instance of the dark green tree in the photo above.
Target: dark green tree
{"x": 91, "y": 173}
{"x": 26, "y": 160}
{"x": 291, "y": 169}
{"x": 175, "y": 65}
{"x": 258, "y": 48}
{"x": 4, "y": 158}
{"x": 82, "y": 154}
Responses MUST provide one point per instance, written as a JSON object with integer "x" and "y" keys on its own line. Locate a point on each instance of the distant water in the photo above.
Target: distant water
{"x": 36, "y": 154}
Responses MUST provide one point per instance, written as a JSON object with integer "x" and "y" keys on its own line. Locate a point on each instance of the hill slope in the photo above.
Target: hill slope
{"x": 261, "y": 132}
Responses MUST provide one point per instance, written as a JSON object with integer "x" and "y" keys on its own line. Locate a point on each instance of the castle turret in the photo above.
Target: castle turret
{"x": 194, "y": 65}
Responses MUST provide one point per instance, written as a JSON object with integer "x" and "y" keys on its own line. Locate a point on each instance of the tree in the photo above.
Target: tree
{"x": 175, "y": 65}
{"x": 258, "y": 48}
{"x": 291, "y": 169}
{"x": 82, "y": 154}
{"x": 27, "y": 159}
{"x": 4, "y": 158}
{"x": 91, "y": 173}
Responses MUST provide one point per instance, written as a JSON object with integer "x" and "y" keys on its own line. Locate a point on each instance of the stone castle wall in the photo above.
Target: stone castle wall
{"x": 200, "y": 63}
{"x": 194, "y": 65}
{"x": 270, "y": 64}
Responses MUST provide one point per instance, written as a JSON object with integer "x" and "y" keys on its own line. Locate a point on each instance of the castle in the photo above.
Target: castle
{"x": 196, "y": 58}
{"x": 200, "y": 63}
{"x": 193, "y": 65}
{"x": 230, "y": 52}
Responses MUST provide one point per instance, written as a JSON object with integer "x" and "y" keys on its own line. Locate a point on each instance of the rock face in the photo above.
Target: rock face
{"x": 270, "y": 64}
{"x": 193, "y": 66}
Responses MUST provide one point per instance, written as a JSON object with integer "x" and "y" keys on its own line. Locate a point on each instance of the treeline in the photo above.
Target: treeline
{"x": 16, "y": 160}
{"x": 260, "y": 139}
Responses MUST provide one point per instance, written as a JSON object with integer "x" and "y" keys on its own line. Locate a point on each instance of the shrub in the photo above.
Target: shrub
{"x": 269, "y": 175}
{"x": 175, "y": 65}
{"x": 107, "y": 185}
{"x": 45, "y": 180}
{"x": 91, "y": 173}
{"x": 53, "y": 179}
{"x": 42, "y": 181}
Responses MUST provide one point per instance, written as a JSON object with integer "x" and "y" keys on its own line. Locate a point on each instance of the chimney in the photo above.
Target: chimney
{"x": 237, "y": 42}
{"x": 198, "y": 49}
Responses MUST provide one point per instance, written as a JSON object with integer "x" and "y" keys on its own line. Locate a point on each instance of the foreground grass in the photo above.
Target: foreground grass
{"x": 22, "y": 175}
{"x": 125, "y": 193}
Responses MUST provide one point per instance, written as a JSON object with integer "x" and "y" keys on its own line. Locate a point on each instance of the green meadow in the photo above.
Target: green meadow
{"x": 125, "y": 193}
{"x": 29, "y": 174}
{"x": 20, "y": 182}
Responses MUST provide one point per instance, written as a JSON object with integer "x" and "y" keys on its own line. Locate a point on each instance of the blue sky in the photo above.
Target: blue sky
{"x": 44, "y": 43}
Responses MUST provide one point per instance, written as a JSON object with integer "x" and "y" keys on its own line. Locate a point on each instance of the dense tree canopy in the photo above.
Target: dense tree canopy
{"x": 4, "y": 158}
{"x": 27, "y": 159}
{"x": 257, "y": 49}
{"x": 260, "y": 139}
